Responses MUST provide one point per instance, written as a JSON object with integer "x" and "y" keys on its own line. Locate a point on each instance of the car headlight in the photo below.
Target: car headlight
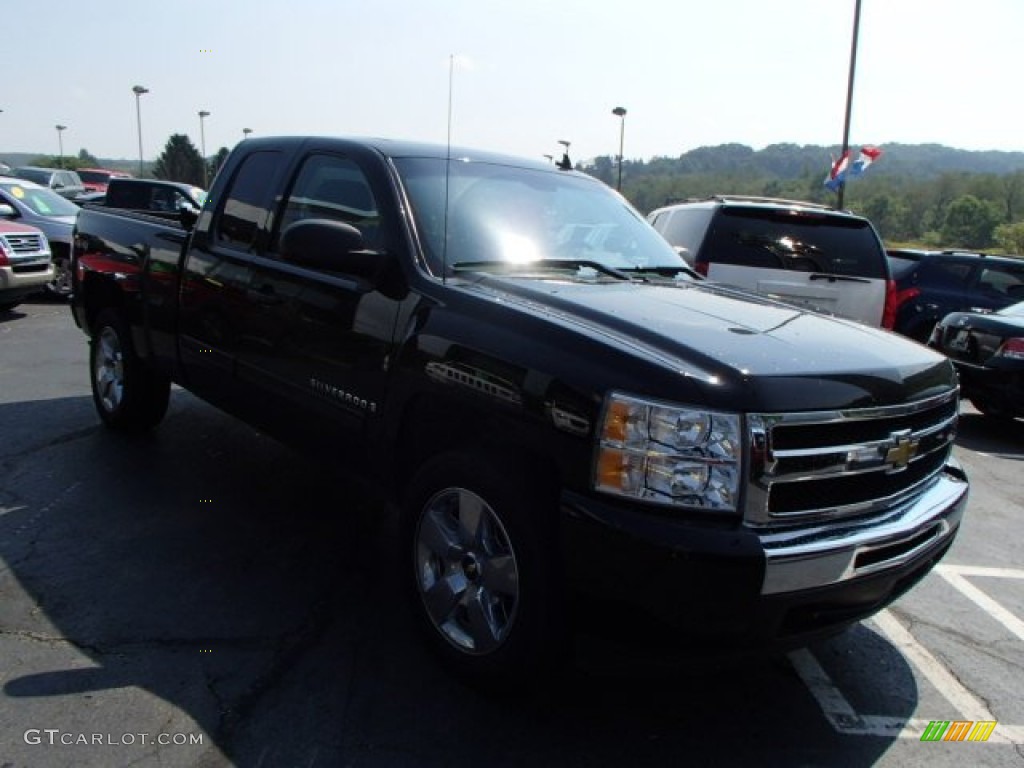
{"x": 669, "y": 454}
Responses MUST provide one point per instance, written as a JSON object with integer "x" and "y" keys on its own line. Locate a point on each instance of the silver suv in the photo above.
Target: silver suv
{"x": 25, "y": 265}
{"x": 801, "y": 253}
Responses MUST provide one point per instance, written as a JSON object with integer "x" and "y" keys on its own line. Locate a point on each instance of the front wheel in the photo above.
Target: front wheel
{"x": 61, "y": 283}
{"x": 484, "y": 582}
{"x": 128, "y": 396}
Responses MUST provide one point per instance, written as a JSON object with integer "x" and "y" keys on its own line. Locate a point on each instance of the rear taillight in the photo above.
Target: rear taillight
{"x": 894, "y": 299}
{"x": 1012, "y": 349}
{"x": 701, "y": 267}
{"x": 889, "y": 311}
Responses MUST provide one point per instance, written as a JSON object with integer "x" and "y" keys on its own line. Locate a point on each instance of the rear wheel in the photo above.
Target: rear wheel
{"x": 991, "y": 409}
{"x": 128, "y": 396}
{"x": 484, "y": 583}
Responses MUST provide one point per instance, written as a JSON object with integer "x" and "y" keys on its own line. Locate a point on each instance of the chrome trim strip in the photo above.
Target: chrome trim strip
{"x": 805, "y": 558}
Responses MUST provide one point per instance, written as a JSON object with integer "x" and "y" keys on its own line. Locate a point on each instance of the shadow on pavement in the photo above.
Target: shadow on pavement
{"x": 259, "y": 592}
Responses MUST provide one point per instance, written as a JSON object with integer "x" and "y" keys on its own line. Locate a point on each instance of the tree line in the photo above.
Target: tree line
{"x": 915, "y": 195}
{"x": 180, "y": 161}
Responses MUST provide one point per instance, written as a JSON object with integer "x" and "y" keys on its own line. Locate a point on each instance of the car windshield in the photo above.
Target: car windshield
{"x": 505, "y": 215}
{"x": 94, "y": 176}
{"x": 44, "y": 202}
{"x": 34, "y": 174}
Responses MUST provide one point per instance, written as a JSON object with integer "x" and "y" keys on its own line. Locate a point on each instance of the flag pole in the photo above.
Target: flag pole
{"x": 849, "y": 99}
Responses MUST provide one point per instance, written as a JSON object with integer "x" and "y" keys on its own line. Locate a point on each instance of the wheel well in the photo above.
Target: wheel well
{"x": 430, "y": 428}
{"x": 100, "y": 294}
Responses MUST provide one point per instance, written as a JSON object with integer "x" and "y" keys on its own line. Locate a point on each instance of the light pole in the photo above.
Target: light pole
{"x": 849, "y": 99}
{"x": 246, "y": 132}
{"x": 620, "y": 112}
{"x": 202, "y": 143}
{"x": 138, "y": 90}
{"x": 60, "y": 145}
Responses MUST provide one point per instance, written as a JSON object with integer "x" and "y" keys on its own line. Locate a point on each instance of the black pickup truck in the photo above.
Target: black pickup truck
{"x": 577, "y": 429}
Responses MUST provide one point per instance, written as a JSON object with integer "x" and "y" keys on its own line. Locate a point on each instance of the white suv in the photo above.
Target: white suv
{"x": 801, "y": 253}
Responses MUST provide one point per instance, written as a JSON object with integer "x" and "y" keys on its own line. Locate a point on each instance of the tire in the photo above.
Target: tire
{"x": 484, "y": 582}
{"x": 128, "y": 396}
{"x": 61, "y": 283}
{"x": 989, "y": 409}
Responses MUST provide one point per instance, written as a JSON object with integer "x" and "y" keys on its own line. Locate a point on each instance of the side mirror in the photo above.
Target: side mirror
{"x": 7, "y": 211}
{"x": 321, "y": 244}
{"x": 335, "y": 246}
{"x": 187, "y": 216}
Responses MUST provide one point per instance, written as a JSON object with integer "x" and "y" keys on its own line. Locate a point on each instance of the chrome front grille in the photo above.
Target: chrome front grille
{"x": 831, "y": 464}
{"x": 25, "y": 243}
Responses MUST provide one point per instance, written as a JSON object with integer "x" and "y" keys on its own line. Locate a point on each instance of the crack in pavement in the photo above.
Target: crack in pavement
{"x": 11, "y": 460}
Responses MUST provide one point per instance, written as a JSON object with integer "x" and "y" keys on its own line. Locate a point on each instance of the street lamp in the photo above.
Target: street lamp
{"x": 138, "y": 90}
{"x": 246, "y": 132}
{"x": 202, "y": 143}
{"x": 620, "y": 112}
{"x": 60, "y": 144}
{"x": 849, "y": 98}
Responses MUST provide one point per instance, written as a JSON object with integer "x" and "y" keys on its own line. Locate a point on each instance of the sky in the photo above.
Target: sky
{"x": 522, "y": 74}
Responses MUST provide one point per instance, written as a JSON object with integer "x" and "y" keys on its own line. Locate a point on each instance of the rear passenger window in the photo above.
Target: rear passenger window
{"x": 1002, "y": 282}
{"x": 686, "y": 228}
{"x": 246, "y": 209}
{"x": 945, "y": 274}
{"x": 335, "y": 188}
{"x": 804, "y": 242}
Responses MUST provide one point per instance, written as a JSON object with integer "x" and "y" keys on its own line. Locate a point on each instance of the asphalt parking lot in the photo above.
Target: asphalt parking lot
{"x": 206, "y": 597}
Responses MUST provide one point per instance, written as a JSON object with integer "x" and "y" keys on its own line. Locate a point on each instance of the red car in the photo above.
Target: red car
{"x": 95, "y": 179}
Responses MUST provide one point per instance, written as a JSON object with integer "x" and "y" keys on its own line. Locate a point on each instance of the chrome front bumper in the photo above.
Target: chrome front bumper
{"x": 806, "y": 558}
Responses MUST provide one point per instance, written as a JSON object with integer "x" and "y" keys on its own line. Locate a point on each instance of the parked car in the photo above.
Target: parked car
{"x": 65, "y": 183}
{"x": 96, "y": 179}
{"x": 152, "y": 195}
{"x": 25, "y": 263}
{"x": 932, "y": 284}
{"x": 801, "y": 253}
{"x": 987, "y": 350}
{"x": 34, "y": 205}
{"x": 574, "y": 428}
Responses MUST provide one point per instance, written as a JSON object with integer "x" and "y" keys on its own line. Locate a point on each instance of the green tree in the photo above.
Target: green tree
{"x": 1010, "y": 237}
{"x": 180, "y": 161}
{"x": 87, "y": 160}
{"x": 970, "y": 222}
{"x": 217, "y": 161}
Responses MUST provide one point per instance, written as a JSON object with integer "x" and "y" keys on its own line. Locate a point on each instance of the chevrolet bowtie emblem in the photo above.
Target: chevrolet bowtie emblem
{"x": 899, "y": 456}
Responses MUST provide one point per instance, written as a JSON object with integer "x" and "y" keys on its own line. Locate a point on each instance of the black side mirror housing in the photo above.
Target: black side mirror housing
{"x": 335, "y": 246}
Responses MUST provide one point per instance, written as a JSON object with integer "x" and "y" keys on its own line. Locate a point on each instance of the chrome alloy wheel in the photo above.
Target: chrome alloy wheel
{"x": 108, "y": 369}
{"x": 466, "y": 571}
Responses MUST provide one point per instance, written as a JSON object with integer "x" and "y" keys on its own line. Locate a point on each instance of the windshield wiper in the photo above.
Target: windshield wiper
{"x": 525, "y": 266}
{"x": 666, "y": 271}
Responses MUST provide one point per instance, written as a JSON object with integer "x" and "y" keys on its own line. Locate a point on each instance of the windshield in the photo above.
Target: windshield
{"x": 34, "y": 174}
{"x": 506, "y": 215}
{"x": 44, "y": 202}
{"x": 94, "y": 176}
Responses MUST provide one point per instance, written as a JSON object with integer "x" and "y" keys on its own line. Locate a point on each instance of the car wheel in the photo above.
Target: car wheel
{"x": 484, "y": 583}
{"x": 990, "y": 409}
{"x": 128, "y": 396}
{"x": 61, "y": 283}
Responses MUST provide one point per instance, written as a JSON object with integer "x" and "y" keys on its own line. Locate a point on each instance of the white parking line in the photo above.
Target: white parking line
{"x": 846, "y": 720}
{"x": 955, "y": 576}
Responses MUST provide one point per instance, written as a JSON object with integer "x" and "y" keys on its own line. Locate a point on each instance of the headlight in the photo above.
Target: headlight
{"x": 669, "y": 454}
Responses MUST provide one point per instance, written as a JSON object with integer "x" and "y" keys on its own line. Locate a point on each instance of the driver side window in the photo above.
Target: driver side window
{"x": 333, "y": 188}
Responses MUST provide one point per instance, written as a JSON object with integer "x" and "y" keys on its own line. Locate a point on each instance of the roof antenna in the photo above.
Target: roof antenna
{"x": 447, "y": 172}
{"x": 565, "y": 163}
